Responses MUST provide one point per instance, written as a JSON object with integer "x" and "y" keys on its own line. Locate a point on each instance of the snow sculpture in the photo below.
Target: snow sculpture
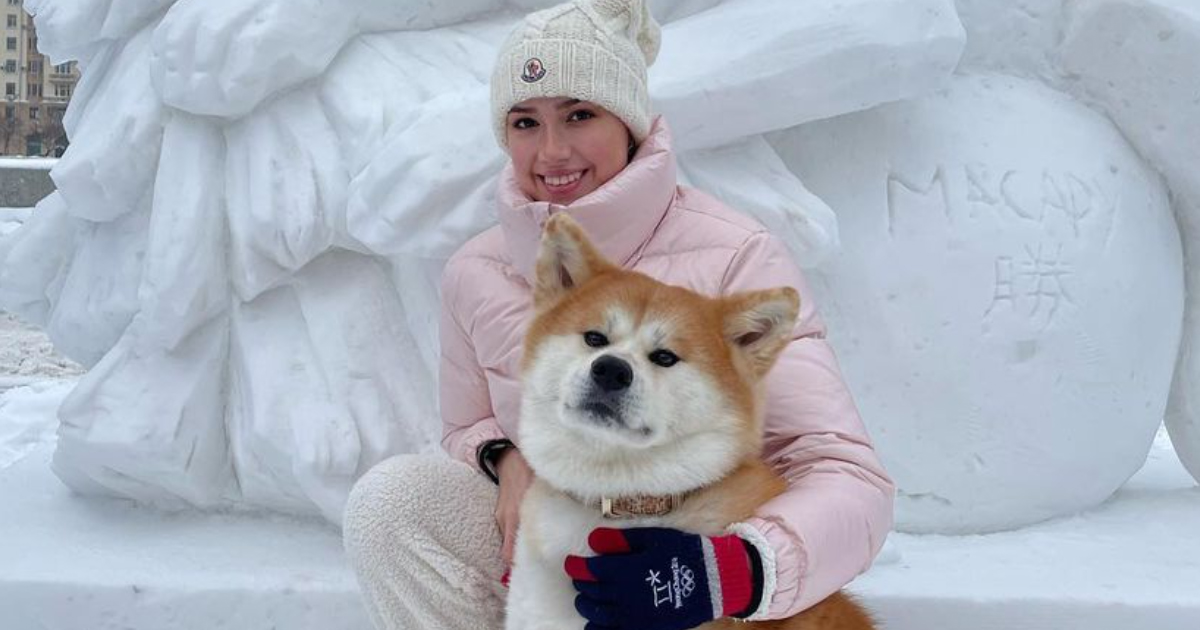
{"x": 250, "y": 222}
{"x": 999, "y": 246}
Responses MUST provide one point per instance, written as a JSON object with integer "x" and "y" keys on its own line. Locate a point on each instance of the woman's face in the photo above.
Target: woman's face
{"x": 564, "y": 148}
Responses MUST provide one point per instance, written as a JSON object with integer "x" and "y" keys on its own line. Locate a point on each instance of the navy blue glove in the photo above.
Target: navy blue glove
{"x": 663, "y": 579}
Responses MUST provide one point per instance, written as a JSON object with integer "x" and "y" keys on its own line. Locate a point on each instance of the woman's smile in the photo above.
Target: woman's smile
{"x": 561, "y": 187}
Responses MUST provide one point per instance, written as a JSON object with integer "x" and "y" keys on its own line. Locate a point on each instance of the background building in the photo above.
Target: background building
{"x": 36, "y": 92}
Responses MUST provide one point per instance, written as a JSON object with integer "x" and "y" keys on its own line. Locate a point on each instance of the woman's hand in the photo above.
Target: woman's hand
{"x": 515, "y": 476}
{"x": 665, "y": 579}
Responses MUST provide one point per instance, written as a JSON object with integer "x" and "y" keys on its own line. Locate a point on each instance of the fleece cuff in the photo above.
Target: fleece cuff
{"x": 766, "y": 560}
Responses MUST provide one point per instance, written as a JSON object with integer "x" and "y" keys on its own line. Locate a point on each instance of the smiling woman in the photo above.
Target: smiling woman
{"x": 564, "y": 148}
{"x": 570, "y": 106}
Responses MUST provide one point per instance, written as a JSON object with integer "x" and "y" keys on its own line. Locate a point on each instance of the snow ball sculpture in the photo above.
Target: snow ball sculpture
{"x": 1008, "y": 300}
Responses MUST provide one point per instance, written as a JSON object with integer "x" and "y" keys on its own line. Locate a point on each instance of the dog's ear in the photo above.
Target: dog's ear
{"x": 566, "y": 260}
{"x": 759, "y": 324}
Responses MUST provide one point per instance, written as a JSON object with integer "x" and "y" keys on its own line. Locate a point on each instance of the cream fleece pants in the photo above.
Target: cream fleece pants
{"x": 420, "y": 532}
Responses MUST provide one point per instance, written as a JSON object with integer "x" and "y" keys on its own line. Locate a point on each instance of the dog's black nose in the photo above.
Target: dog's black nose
{"x": 611, "y": 374}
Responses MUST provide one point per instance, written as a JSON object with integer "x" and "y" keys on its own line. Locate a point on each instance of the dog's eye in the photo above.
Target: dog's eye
{"x": 665, "y": 358}
{"x": 594, "y": 339}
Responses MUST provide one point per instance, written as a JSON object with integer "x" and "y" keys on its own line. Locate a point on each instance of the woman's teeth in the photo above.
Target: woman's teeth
{"x": 564, "y": 180}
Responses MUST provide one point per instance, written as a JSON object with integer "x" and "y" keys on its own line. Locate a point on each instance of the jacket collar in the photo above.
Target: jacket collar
{"x": 619, "y": 216}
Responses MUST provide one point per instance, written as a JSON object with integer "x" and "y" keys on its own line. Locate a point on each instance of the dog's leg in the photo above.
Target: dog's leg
{"x": 541, "y": 596}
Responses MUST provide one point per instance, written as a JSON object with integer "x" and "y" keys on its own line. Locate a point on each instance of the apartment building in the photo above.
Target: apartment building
{"x": 35, "y": 91}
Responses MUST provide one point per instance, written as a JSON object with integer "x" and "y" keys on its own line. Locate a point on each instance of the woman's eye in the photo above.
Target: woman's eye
{"x": 594, "y": 339}
{"x": 580, "y": 114}
{"x": 664, "y": 358}
{"x": 524, "y": 123}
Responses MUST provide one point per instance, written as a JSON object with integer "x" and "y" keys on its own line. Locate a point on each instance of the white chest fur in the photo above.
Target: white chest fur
{"x": 553, "y": 526}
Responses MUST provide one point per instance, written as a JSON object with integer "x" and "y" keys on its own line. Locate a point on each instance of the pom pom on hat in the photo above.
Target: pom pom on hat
{"x": 592, "y": 50}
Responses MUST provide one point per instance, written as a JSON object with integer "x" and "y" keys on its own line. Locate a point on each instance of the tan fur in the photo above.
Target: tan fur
{"x": 733, "y": 340}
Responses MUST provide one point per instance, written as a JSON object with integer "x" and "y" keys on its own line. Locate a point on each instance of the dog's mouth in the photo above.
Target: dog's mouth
{"x": 602, "y": 411}
{"x": 609, "y": 416}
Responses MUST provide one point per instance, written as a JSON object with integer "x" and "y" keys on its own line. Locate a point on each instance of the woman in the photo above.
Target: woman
{"x": 570, "y": 105}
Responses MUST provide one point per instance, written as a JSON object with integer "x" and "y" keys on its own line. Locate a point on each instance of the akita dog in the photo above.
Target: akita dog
{"x": 641, "y": 407}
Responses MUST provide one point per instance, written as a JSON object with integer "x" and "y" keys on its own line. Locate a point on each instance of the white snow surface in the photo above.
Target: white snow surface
{"x": 13, "y": 218}
{"x": 1017, "y": 37}
{"x": 104, "y": 564}
{"x": 756, "y": 63}
{"x": 1129, "y": 563}
{"x": 78, "y": 562}
{"x": 27, "y": 416}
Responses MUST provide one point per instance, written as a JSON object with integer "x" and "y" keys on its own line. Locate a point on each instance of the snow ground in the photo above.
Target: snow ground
{"x": 1131, "y": 563}
{"x": 12, "y": 218}
{"x": 72, "y": 562}
{"x": 82, "y": 563}
{"x": 27, "y": 356}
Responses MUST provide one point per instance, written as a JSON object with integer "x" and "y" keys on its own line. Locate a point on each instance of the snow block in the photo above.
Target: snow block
{"x": 98, "y": 295}
{"x": 282, "y": 213}
{"x": 1017, "y": 37}
{"x": 749, "y": 176}
{"x": 381, "y": 82}
{"x": 147, "y": 422}
{"x": 116, "y": 131}
{"x": 1008, "y": 302}
{"x": 326, "y": 382}
{"x": 427, "y": 192}
{"x": 74, "y": 30}
{"x": 1138, "y": 61}
{"x": 225, "y": 57}
{"x": 35, "y": 258}
{"x": 745, "y": 68}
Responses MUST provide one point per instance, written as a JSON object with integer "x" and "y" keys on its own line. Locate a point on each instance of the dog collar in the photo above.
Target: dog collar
{"x": 635, "y": 506}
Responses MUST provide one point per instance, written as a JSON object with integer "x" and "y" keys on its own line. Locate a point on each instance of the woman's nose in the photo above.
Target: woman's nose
{"x": 554, "y": 146}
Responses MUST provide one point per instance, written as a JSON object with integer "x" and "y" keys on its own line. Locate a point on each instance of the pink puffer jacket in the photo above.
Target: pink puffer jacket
{"x": 829, "y": 524}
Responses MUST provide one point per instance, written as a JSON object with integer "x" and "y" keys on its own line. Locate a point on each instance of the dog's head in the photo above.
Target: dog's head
{"x": 633, "y": 386}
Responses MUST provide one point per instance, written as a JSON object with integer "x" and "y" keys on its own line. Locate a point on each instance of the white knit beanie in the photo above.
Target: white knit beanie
{"x": 592, "y": 50}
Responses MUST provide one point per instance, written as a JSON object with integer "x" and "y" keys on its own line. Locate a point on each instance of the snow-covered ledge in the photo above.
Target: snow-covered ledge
{"x": 73, "y": 562}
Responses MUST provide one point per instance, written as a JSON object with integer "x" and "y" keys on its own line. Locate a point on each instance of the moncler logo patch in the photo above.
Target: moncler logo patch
{"x": 534, "y": 71}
